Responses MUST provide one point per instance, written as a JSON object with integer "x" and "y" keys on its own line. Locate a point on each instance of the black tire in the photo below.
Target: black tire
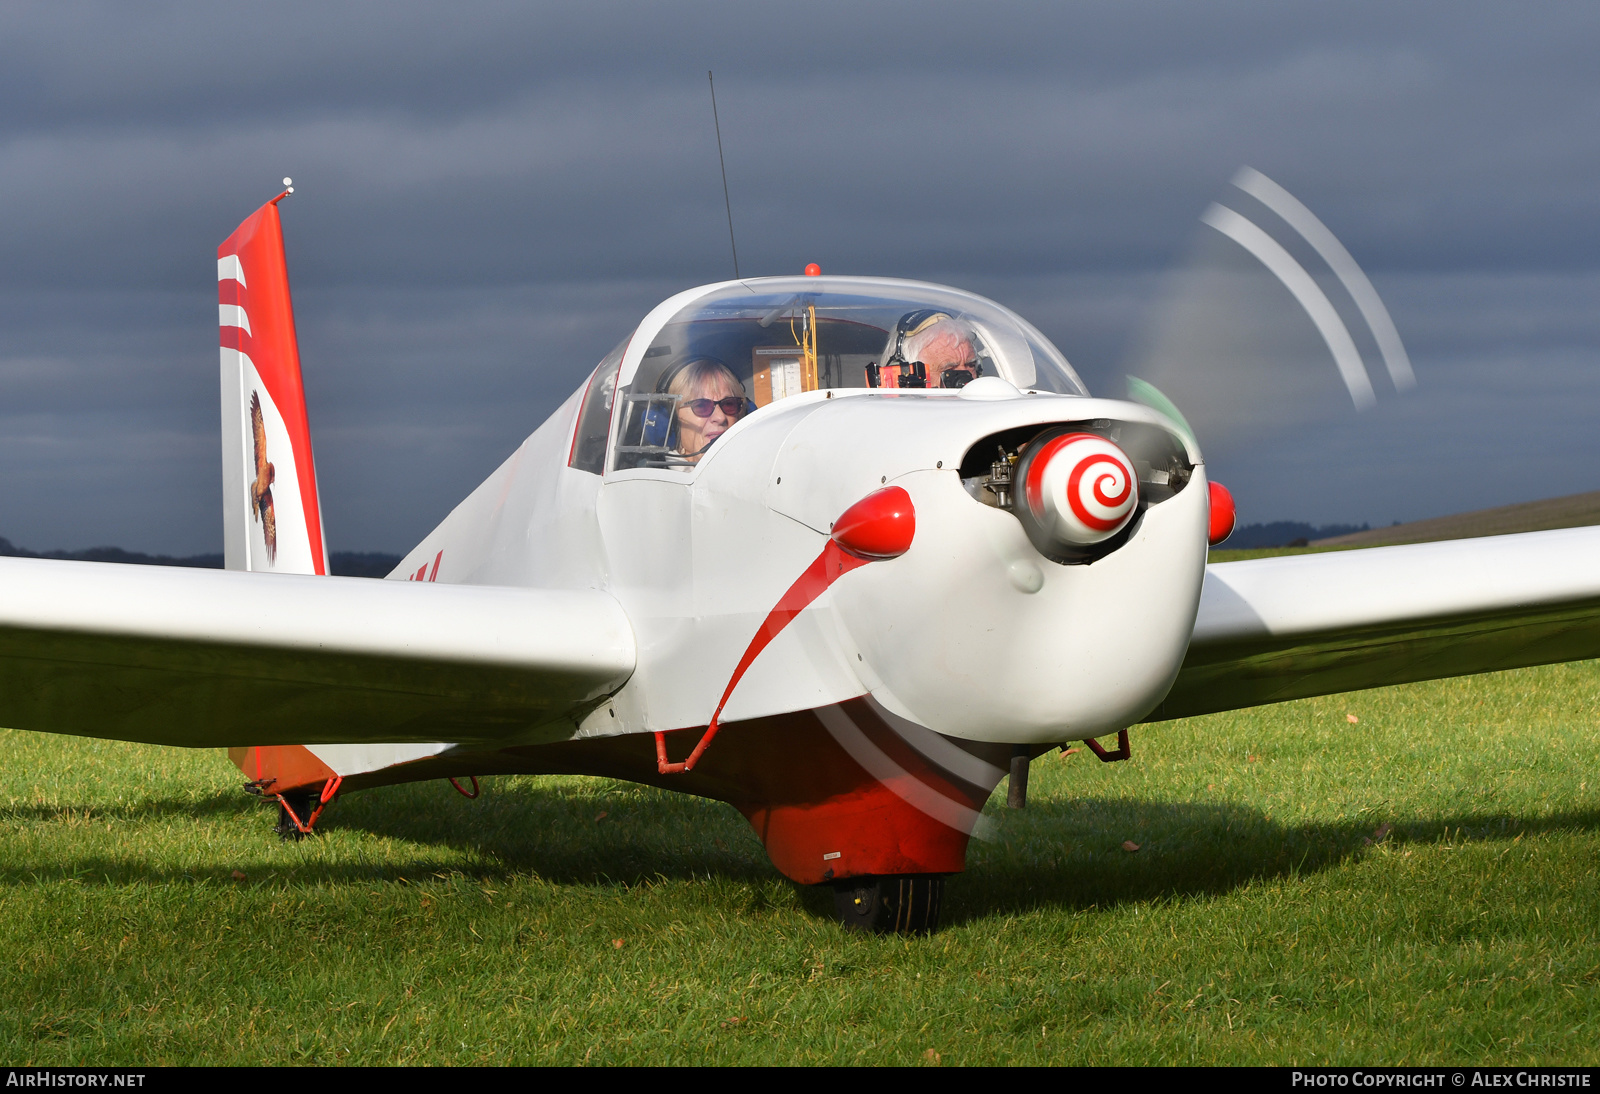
{"x": 896, "y": 904}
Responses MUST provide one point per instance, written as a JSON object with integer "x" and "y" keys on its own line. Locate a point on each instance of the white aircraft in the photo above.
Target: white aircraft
{"x": 839, "y": 551}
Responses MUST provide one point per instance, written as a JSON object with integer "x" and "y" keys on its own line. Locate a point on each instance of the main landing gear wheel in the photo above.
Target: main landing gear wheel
{"x": 896, "y": 904}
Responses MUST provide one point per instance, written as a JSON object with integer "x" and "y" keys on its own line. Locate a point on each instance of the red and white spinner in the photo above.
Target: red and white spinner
{"x": 1076, "y": 490}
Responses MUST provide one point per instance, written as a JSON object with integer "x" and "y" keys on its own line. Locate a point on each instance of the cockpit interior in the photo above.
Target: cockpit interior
{"x": 742, "y": 347}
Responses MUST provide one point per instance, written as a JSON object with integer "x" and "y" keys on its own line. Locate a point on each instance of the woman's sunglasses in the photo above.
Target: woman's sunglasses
{"x": 732, "y": 406}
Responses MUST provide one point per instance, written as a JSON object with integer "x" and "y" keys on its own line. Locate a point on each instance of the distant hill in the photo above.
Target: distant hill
{"x": 1571, "y": 511}
{"x": 342, "y": 563}
{"x": 1285, "y": 533}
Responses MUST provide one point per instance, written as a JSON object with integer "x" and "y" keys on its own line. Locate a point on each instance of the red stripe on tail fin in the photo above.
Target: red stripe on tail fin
{"x": 271, "y": 512}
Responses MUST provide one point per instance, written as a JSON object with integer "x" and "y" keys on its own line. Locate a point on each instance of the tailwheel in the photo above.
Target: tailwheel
{"x": 303, "y": 804}
{"x": 891, "y": 904}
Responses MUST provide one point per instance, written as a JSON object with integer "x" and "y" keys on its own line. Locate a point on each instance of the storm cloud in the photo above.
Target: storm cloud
{"x": 490, "y": 196}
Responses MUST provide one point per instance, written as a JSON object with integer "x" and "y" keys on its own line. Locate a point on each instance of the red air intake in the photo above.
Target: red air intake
{"x": 880, "y": 525}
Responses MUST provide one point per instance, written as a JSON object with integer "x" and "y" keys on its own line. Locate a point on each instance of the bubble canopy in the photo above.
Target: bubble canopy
{"x": 764, "y": 340}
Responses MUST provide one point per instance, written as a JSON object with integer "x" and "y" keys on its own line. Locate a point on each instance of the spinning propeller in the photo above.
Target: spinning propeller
{"x": 1269, "y": 325}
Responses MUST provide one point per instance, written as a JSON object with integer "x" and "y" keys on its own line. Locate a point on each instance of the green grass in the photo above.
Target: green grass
{"x": 1255, "y": 925}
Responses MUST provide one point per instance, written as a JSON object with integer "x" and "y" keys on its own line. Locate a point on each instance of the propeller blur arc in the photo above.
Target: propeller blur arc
{"x": 1326, "y": 244}
{"x": 1283, "y": 266}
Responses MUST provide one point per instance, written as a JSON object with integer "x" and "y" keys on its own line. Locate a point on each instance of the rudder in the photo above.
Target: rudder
{"x": 272, "y": 517}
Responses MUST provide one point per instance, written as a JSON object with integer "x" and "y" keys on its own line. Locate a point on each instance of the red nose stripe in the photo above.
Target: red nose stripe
{"x": 879, "y": 526}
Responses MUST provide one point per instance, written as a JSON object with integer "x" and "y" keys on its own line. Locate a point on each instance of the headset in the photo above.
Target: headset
{"x": 897, "y": 372}
{"x": 660, "y": 417}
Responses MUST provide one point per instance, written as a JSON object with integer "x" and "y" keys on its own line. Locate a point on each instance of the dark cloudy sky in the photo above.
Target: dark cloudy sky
{"x": 489, "y": 196}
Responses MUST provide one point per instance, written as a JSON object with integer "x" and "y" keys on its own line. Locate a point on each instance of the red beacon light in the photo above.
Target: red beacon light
{"x": 1223, "y": 514}
{"x": 813, "y": 270}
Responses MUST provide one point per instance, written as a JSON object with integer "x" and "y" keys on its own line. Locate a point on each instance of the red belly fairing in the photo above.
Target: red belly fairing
{"x": 821, "y": 814}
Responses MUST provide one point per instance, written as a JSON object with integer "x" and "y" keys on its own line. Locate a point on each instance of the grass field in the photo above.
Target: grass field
{"x": 1420, "y": 886}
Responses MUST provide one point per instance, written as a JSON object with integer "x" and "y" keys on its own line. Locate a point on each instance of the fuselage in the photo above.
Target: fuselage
{"x": 974, "y": 632}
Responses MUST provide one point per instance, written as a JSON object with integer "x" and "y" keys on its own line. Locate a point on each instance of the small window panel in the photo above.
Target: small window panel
{"x": 594, "y": 416}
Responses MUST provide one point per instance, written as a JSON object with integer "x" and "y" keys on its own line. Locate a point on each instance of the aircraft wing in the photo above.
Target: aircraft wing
{"x": 1273, "y": 629}
{"x": 221, "y": 658}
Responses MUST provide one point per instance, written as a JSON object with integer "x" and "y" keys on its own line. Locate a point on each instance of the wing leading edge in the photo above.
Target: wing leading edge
{"x": 1274, "y": 629}
{"x": 212, "y": 658}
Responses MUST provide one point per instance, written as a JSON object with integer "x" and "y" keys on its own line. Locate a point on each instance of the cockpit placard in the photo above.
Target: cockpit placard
{"x": 776, "y": 372}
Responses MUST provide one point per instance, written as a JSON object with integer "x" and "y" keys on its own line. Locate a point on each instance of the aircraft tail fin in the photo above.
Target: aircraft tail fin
{"x": 272, "y": 518}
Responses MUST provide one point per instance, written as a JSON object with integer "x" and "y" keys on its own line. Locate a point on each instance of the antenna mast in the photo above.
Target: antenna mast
{"x": 723, "y": 164}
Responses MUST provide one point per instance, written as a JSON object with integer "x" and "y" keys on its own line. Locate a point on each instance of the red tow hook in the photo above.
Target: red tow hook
{"x": 878, "y": 527}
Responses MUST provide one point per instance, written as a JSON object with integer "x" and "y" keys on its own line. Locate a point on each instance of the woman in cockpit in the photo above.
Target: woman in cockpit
{"x": 710, "y": 400}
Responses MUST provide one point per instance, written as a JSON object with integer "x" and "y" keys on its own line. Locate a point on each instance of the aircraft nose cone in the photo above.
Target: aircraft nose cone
{"x": 1079, "y": 488}
{"x": 880, "y": 525}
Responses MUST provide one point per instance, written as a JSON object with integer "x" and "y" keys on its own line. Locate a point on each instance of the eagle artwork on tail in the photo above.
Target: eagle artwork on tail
{"x": 261, "y": 488}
